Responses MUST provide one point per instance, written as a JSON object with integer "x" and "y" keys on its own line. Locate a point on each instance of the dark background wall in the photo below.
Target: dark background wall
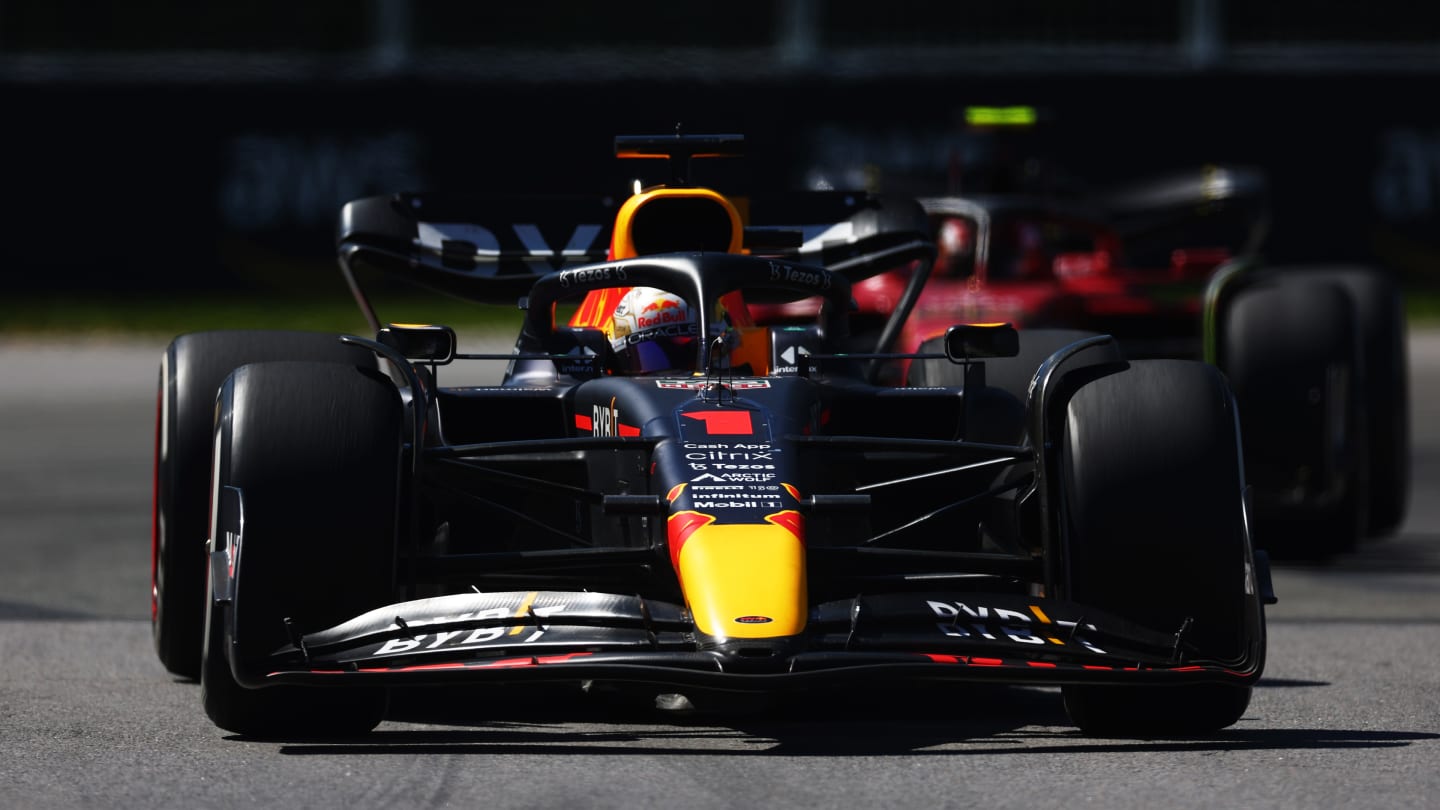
{"x": 161, "y": 169}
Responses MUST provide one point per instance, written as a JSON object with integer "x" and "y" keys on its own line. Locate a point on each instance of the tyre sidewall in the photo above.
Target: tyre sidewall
{"x": 1291, "y": 348}
{"x": 191, "y": 372}
{"x": 315, "y": 451}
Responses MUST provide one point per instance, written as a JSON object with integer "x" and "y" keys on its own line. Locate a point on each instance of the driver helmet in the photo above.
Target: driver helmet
{"x": 652, "y": 330}
{"x": 955, "y": 248}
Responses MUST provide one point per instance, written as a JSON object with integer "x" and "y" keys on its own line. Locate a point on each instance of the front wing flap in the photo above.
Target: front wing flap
{"x": 562, "y": 635}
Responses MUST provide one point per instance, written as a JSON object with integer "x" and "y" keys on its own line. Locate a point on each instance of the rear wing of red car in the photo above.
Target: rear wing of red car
{"x": 1217, "y": 206}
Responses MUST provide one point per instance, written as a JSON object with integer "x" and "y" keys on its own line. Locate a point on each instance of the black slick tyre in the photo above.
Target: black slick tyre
{"x": 313, "y": 451}
{"x": 1385, "y": 389}
{"x": 1291, "y": 349}
{"x": 1155, "y": 532}
{"x": 191, "y": 371}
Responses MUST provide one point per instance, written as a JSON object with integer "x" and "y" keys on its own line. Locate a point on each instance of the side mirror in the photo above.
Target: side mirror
{"x": 420, "y": 342}
{"x": 972, "y": 341}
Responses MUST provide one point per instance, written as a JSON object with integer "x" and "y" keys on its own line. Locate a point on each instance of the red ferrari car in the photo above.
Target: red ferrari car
{"x": 1171, "y": 268}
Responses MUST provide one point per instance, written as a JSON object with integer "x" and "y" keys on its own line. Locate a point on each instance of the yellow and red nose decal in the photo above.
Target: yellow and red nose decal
{"x": 681, "y": 526}
{"x": 741, "y": 580}
{"x": 791, "y": 521}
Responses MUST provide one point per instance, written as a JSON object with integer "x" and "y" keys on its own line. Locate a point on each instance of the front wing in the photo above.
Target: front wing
{"x": 561, "y": 635}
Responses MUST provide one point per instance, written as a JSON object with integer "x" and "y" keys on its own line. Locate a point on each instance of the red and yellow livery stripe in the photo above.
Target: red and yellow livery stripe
{"x": 735, "y": 571}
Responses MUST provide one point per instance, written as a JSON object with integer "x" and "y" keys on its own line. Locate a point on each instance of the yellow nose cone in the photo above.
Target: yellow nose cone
{"x": 745, "y": 580}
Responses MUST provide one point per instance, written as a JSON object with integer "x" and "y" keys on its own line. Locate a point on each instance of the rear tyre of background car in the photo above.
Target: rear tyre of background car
{"x": 314, "y": 450}
{"x": 1291, "y": 348}
{"x": 1385, "y": 390}
{"x": 191, "y": 371}
{"x": 1155, "y": 530}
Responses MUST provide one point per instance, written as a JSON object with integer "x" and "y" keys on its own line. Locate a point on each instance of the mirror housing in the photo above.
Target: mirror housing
{"x": 971, "y": 341}
{"x": 420, "y": 342}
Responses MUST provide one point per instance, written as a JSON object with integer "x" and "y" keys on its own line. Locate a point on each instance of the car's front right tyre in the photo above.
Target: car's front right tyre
{"x": 191, "y": 371}
{"x": 310, "y": 453}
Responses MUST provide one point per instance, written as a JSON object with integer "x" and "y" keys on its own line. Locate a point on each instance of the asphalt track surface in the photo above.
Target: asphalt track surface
{"x": 1348, "y": 714}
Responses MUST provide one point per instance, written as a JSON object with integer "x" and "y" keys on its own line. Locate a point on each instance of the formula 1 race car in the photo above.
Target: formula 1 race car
{"x": 1170, "y": 267}
{"x": 660, "y": 492}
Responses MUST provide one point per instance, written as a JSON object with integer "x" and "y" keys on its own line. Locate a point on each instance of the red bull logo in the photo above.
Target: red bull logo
{"x": 649, "y": 312}
{"x": 662, "y": 312}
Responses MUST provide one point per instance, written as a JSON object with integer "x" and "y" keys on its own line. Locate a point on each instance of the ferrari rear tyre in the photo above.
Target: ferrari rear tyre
{"x": 313, "y": 451}
{"x": 191, "y": 371}
{"x": 1155, "y": 530}
{"x": 1385, "y": 390}
{"x": 1291, "y": 349}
